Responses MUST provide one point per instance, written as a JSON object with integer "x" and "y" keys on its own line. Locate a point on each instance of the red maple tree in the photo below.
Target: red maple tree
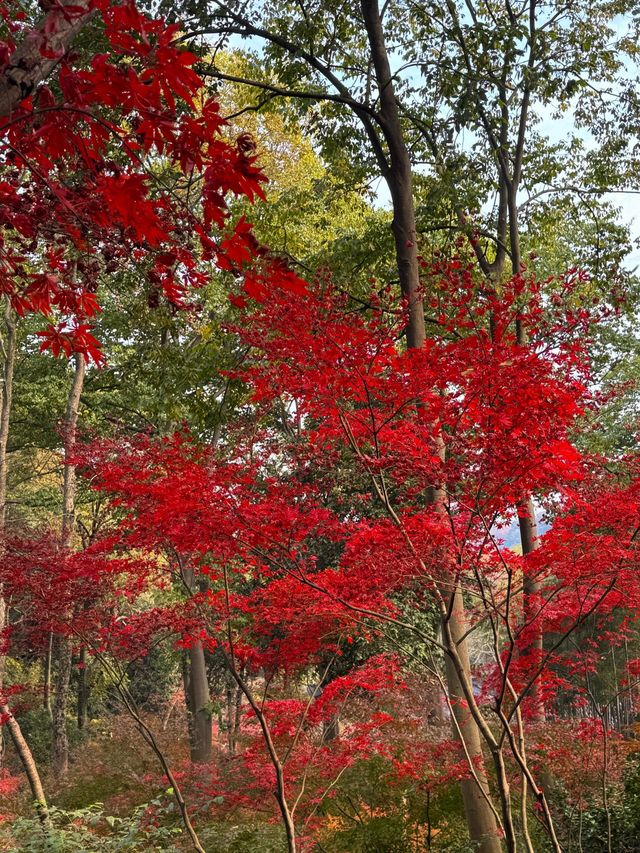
{"x": 365, "y": 486}
{"x": 314, "y": 526}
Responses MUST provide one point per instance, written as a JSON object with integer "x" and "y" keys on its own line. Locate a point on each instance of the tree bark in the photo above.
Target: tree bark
{"x": 188, "y": 701}
{"x": 278, "y": 767}
{"x": 46, "y": 686}
{"x": 19, "y": 742}
{"x": 530, "y": 542}
{"x": 237, "y": 721}
{"x": 69, "y": 473}
{"x": 480, "y": 819}
{"x": 59, "y": 739}
{"x": 398, "y": 174}
{"x": 28, "y": 764}
{"x": 197, "y": 694}
{"x": 9, "y": 358}
{"x": 27, "y": 67}
{"x": 83, "y": 690}
{"x": 481, "y": 822}
{"x": 200, "y": 706}
{"x": 6, "y": 390}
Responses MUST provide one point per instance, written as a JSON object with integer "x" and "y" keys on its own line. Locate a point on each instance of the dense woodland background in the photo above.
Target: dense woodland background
{"x": 319, "y": 484}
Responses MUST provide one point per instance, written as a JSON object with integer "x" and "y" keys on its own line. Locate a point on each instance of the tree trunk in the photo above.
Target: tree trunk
{"x": 480, "y": 818}
{"x": 331, "y": 729}
{"x": 398, "y": 175}
{"x": 69, "y": 473}
{"x": 530, "y": 542}
{"x": 9, "y": 358}
{"x": 186, "y": 680}
{"x": 280, "y": 792}
{"x": 27, "y": 66}
{"x": 6, "y": 390}
{"x": 59, "y": 739}
{"x": 197, "y": 695}
{"x": 225, "y": 720}
{"x": 231, "y": 721}
{"x": 46, "y": 686}
{"x": 200, "y": 706}
{"x": 28, "y": 764}
{"x": 83, "y": 690}
{"x": 237, "y": 721}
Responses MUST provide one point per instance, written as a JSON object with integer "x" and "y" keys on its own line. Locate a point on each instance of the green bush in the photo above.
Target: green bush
{"x": 374, "y": 811}
{"x": 90, "y": 830}
{"x": 242, "y": 838}
{"x": 588, "y": 830}
{"x": 36, "y": 727}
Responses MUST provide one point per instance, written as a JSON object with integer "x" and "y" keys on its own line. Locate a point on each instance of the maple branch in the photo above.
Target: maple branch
{"x": 472, "y": 769}
{"x": 150, "y": 738}
{"x": 280, "y": 792}
{"x": 40, "y": 52}
{"x": 303, "y": 578}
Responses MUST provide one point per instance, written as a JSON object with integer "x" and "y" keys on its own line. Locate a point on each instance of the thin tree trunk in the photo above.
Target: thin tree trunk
{"x": 59, "y": 739}
{"x": 530, "y": 542}
{"x": 69, "y": 474}
{"x": 200, "y": 706}
{"x": 226, "y": 719}
{"x": 398, "y": 175}
{"x": 19, "y": 742}
{"x": 28, "y": 764}
{"x": 83, "y": 690}
{"x": 9, "y": 359}
{"x": 237, "y": 720}
{"x": 330, "y": 727}
{"x": 186, "y": 685}
{"x": 6, "y": 390}
{"x": 280, "y": 789}
{"x": 480, "y": 819}
{"x": 150, "y": 738}
{"x": 46, "y": 686}
{"x": 197, "y": 695}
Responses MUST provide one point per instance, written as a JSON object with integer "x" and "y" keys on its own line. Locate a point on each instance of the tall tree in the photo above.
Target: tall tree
{"x": 9, "y": 356}
{"x": 82, "y": 196}
{"x": 462, "y": 100}
{"x": 64, "y": 650}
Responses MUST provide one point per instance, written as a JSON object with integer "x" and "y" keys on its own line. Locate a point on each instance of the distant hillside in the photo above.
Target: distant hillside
{"x": 511, "y": 535}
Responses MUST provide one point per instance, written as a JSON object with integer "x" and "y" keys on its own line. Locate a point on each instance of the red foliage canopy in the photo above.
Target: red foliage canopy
{"x": 98, "y": 162}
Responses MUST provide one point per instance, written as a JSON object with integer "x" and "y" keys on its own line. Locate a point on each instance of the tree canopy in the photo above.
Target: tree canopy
{"x": 319, "y": 481}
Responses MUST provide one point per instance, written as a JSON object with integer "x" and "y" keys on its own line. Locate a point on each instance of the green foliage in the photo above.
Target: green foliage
{"x": 242, "y": 838}
{"x": 371, "y": 812}
{"x": 152, "y": 679}
{"x": 36, "y": 727}
{"x": 588, "y": 829}
{"x": 89, "y": 789}
{"x": 90, "y": 830}
{"x": 316, "y": 213}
